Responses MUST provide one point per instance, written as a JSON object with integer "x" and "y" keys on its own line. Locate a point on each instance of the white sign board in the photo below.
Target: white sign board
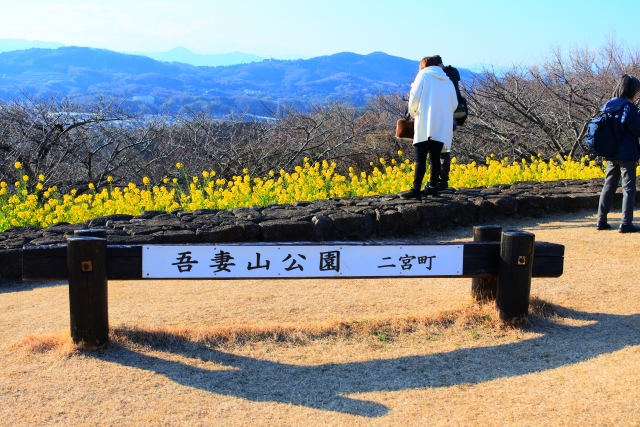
{"x": 299, "y": 261}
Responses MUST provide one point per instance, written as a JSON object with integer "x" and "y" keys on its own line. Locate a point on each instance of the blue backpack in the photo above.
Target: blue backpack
{"x": 602, "y": 136}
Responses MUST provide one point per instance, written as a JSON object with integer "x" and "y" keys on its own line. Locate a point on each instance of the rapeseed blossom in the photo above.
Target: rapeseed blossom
{"x": 306, "y": 182}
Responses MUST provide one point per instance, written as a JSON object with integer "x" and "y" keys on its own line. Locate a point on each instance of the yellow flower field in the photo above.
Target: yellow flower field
{"x": 43, "y": 207}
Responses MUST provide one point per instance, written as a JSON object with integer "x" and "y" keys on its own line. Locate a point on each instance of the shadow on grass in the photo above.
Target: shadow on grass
{"x": 9, "y": 286}
{"x": 328, "y": 387}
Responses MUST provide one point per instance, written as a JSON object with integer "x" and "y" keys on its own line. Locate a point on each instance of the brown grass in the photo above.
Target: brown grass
{"x": 344, "y": 353}
{"x": 230, "y": 337}
{"x": 472, "y": 317}
{"x": 58, "y": 343}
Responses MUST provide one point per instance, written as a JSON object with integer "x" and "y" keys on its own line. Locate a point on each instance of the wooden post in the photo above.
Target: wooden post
{"x": 88, "y": 299}
{"x": 514, "y": 275}
{"x": 91, "y": 232}
{"x": 484, "y": 288}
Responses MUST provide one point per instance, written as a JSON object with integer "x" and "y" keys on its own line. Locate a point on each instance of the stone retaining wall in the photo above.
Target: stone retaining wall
{"x": 357, "y": 218}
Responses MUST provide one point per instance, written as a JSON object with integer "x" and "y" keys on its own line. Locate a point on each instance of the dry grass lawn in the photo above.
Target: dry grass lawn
{"x": 339, "y": 353}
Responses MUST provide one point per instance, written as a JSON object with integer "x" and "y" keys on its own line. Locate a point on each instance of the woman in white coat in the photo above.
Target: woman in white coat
{"x": 432, "y": 101}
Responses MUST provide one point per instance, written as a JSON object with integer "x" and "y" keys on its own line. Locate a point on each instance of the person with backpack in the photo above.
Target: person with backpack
{"x": 432, "y": 101}
{"x": 625, "y": 131}
{"x": 445, "y": 155}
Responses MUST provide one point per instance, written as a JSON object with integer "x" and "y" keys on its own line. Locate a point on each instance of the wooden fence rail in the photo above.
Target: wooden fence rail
{"x": 499, "y": 269}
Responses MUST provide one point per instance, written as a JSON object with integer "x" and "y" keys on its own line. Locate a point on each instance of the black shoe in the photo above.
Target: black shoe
{"x": 442, "y": 186}
{"x": 603, "y": 226}
{"x": 411, "y": 194}
{"x": 430, "y": 191}
{"x": 628, "y": 228}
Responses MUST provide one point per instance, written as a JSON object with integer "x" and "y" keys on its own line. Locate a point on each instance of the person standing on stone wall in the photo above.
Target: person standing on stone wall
{"x": 432, "y": 101}
{"x": 623, "y": 163}
{"x": 445, "y": 154}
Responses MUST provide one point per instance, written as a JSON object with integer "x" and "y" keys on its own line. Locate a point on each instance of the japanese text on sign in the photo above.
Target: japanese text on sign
{"x": 282, "y": 261}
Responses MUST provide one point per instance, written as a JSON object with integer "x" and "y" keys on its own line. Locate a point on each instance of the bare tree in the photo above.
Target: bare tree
{"x": 517, "y": 112}
{"x": 334, "y": 131}
{"x": 544, "y": 108}
{"x": 73, "y": 144}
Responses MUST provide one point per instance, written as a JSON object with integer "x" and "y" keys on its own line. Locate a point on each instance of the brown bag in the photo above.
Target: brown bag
{"x": 404, "y": 128}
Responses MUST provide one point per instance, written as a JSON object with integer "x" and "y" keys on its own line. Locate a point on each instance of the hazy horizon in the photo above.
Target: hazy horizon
{"x": 158, "y": 55}
{"x": 496, "y": 32}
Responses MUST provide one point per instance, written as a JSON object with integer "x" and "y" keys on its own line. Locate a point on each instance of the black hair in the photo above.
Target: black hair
{"x": 627, "y": 87}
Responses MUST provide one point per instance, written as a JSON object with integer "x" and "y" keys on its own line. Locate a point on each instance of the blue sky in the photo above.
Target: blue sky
{"x": 463, "y": 32}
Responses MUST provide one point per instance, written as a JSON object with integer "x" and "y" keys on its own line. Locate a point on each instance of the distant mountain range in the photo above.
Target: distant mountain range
{"x": 255, "y": 87}
{"x": 177, "y": 54}
{"x": 185, "y": 56}
{"x": 7, "y": 45}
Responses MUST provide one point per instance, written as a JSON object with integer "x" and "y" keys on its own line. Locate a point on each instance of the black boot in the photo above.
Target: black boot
{"x": 411, "y": 194}
{"x": 443, "y": 179}
{"x": 442, "y": 186}
{"x": 430, "y": 191}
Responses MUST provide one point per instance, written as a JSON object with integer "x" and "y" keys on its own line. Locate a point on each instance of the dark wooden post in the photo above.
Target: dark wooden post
{"x": 91, "y": 232}
{"x": 514, "y": 275}
{"x": 88, "y": 302}
{"x": 485, "y": 288}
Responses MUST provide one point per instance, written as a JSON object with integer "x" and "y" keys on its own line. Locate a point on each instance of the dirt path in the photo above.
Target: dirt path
{"x": 577, "y": 366}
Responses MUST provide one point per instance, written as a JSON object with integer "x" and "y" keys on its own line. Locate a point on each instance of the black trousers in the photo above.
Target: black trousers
{"x": 445, "y": 159}
{"x": 421, "y": 150}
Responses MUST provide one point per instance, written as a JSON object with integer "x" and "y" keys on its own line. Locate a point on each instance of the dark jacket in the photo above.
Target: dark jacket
{"x": 454, "y": 76}
{"x": 627, "y": 129}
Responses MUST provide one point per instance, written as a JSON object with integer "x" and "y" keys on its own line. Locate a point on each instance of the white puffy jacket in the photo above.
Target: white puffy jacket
{"x": 432, "y": 101}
